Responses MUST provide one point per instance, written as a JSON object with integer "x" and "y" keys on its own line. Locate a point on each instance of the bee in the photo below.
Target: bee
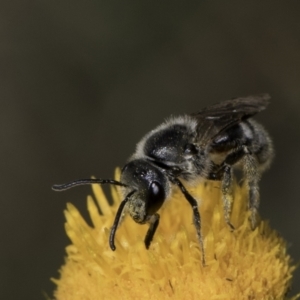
{"x": 208, "y": 145}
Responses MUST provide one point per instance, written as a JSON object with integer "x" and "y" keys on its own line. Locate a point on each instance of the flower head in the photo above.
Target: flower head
{"x": 240, "y": 264}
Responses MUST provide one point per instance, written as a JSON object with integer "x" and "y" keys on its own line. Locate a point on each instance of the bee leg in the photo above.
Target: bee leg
{"x": 118, "y": 217}
{"x": 197, "y": 219}
{"x": 227, "y": 193}
{"x": 154, "y": 221}
{"x": 226, "y": 168}
{"x": 251, "y": 177}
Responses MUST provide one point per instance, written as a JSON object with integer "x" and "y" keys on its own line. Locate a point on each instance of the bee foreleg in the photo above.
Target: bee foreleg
{"x": 154, "y": 221}
{"x": 118, "y": 217}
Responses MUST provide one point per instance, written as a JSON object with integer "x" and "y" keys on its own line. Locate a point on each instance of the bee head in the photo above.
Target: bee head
{"x": 151, "y": 186}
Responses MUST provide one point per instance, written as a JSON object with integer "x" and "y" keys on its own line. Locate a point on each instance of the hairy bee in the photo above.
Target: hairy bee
{"x": 204, "y": 145}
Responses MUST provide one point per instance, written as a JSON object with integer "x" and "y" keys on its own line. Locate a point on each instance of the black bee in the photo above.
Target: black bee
{"x": 204, "y": 145}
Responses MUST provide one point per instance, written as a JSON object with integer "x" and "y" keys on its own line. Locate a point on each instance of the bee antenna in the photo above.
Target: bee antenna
{"x": 66, "y": 186}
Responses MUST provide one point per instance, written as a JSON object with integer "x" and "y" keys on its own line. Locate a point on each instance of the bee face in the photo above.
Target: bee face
{"x": 152, "y": 188}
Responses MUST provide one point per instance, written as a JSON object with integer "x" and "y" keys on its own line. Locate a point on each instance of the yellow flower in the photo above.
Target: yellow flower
{"x": 240, "y": 264}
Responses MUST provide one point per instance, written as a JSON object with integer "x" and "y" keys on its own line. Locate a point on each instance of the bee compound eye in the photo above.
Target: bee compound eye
{"x": 156, "y": 197}
{"x": 156, "y": 189}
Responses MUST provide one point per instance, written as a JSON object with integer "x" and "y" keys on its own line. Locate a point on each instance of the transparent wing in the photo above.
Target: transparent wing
{"x": 215, "y": 119}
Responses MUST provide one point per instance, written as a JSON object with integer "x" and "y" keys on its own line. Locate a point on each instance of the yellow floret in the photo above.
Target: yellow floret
{"x": 240, "y": 264}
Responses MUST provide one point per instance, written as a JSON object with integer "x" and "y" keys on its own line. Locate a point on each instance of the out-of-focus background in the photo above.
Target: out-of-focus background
{"x": 82, "y": 81}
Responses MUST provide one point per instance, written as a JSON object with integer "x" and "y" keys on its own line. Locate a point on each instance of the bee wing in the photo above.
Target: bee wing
{"x": 215, "y": 119}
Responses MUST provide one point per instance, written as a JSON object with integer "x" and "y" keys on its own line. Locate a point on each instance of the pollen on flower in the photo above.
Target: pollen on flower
{"x": 240, "y": 264}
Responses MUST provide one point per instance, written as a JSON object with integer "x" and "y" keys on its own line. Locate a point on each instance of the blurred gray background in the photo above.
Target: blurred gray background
{"x": 82, "y": 81}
